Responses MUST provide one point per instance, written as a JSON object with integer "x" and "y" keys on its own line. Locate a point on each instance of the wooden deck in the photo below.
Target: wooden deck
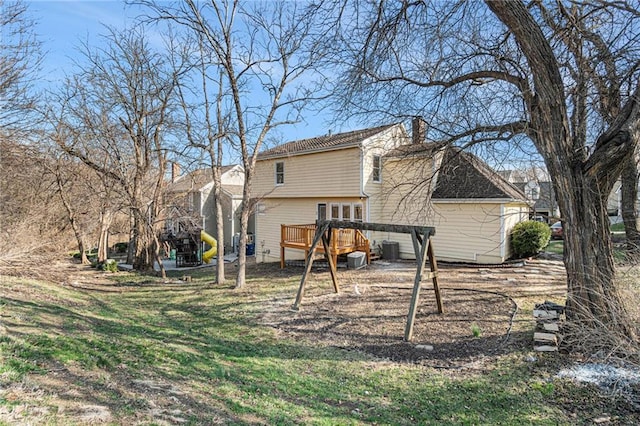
{"x": 342, "y": 241}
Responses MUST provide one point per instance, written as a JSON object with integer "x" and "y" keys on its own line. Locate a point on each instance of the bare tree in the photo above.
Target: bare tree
{"x": 120, "y": 104}
{"x": 28, "y": 229}
{"x": 479, "y": 79}
{"x": 265, "y": 53}
{"x": 602, "y": 72}
{"x": 201, "y": 93}
{"x": 70, "y": 179}
{"x": 19, "y": 61}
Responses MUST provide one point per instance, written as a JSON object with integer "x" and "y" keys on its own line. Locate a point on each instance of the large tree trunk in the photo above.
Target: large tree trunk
{"x": 629, "y": 189}
{"x": 79, "y": 238}
{"x": 144, "y": 252}
{"x": 593, "y": 299}
{"x": 582, "y": 183}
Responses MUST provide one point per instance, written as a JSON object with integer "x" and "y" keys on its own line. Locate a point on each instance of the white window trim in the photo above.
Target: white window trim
{"x": 373, "y": 168}
{"x": 276, "y": 173}
{"x": 350, "y": 211}
{"x": 330, "y": 212}
{"x": 353, "y": 212}
{"x": 326, "y": 210}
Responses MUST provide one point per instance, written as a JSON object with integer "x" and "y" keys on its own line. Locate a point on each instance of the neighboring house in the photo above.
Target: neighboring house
{"x": 538, "y": 191}
{"x": 190, "y": 202}
{"x": 379, "y": 175}
{"x": 614, "y": 203}
{"x": 542, "y": 199}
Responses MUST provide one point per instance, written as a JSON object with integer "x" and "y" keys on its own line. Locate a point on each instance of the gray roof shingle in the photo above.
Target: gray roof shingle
{"x": 464, "y": 176}
{"x": 323, "y": 143}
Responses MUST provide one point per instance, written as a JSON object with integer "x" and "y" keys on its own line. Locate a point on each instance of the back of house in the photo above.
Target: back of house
{"x": 383, "y": 175}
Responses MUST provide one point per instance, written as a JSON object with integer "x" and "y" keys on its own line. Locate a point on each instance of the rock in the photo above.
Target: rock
{"x": 424, "y": 347}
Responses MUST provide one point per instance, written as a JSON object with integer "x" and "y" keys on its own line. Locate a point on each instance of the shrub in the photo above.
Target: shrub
{"x": 120, "y": 247}
{"x": 529, "y": 238}
{"x": 109, "y": 265}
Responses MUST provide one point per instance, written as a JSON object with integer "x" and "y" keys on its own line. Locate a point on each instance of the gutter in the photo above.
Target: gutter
{"x": 475, "y": 200}
{"x": 308, "y": 151}
{"x": 503, "y": 236}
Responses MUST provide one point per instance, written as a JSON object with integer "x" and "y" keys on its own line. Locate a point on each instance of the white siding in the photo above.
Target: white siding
{"x": 331, "y": 173}
{"x": 512, "y": 214}
{"x": 470, "y": 232}
{"x": 292, "y": 211}
{"x": 465, "y": 232}
{"x": 235, "y": 176}
{"x": 380, "y": 145}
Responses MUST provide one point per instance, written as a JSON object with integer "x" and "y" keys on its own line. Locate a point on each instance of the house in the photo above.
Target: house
{"x": 383, "y": 175}
{"x": 538, "y": 189}
{"x": 190, "y": 202}
{"x": 542, "y": 199}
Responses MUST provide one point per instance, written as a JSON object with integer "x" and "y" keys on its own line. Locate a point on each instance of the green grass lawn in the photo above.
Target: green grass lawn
{"x": 147, "y": 349}
{"x": 555, "y": 246}
{"x": 617, "y": 227}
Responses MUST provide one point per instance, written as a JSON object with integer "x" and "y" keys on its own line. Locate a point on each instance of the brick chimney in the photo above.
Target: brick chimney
{"x": 175, "y": 171}
{"x": 418, "y": 130}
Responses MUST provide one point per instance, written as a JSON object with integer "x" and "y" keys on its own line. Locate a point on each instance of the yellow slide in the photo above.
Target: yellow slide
{"x": 207, "y": 255}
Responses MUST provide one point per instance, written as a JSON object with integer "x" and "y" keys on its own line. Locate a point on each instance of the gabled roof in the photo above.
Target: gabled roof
{"x": 427, "y": 149}
{"x": 195, "y": 180}
{"x": 323, "y": 143}
{"x": 546, "y": 197}
{"x": 464, "y": 176}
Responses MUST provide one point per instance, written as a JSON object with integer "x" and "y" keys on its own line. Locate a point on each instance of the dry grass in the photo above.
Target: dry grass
{"x": 605, "y": 342}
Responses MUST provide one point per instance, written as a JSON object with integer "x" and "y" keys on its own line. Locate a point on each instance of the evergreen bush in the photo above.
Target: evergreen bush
{"x": 528, "y": 238}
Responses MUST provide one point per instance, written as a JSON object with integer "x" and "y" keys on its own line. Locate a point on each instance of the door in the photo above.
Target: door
{"x": 322, "y": 211}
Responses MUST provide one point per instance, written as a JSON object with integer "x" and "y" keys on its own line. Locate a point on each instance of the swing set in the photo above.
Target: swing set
{"x": 422, "y": 246}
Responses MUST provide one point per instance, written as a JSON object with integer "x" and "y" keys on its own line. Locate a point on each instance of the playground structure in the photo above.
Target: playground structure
{"x": 209, "y": 254}
{"x": 422, "y": 245}
{"x": 188, "y": 247}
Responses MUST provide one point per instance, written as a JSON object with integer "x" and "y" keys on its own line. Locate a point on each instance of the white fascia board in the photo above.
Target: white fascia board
{"x": 207, "y": 187}
{"x": 475, "y": 201}
{"x": 310, "y": 151}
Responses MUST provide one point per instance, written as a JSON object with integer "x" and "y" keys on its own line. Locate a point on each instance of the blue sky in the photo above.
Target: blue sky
{"x": 63, "y": 25}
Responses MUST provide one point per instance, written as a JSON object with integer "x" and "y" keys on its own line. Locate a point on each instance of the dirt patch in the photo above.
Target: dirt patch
{"x": 487, "y": 311}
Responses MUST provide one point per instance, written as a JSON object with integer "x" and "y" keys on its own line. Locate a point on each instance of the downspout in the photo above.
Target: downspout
{"x": 503, "y": 235}
{"x": 201, "y": 210}
{"x": 363, "y": 194}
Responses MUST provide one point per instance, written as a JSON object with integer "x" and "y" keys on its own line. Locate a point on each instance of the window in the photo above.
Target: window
{"x": 377, "y": 169}
{"x": 342, "y": 211}
{"x": 346, "y": 212}
{"x": 357, "y": 212}
{"x": 335, "y": 211}
{"x": 280, "y": 173}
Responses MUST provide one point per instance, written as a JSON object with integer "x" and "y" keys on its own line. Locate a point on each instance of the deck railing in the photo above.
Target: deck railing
{"x": 297, "y": 234}
{"x": 342, "y": 240}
